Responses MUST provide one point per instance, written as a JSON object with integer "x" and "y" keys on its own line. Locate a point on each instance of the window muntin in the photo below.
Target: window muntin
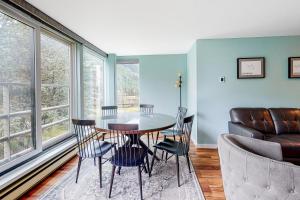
{"x": 93, "y": 84}
{"x": 17, "y": 134}
{"x": 127, "y": 81}
{"x": 55, "y": 86}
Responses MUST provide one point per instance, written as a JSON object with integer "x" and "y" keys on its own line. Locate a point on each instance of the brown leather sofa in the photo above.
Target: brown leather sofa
{"x": 281, "y": 125}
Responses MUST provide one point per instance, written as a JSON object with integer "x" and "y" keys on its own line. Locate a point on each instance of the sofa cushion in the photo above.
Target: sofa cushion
{"x": 286, "y": 120}
{"x": 256, "y": 118}
{"x": 290, "y": 144}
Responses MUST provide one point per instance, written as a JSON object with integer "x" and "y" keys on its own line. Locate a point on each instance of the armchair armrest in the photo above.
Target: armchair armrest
{"x": 240, "y": 129}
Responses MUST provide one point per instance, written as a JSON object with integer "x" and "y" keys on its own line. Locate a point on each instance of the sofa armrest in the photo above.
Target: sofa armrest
{"x": 263, "y": 148}
{"x": 240, "y": 129}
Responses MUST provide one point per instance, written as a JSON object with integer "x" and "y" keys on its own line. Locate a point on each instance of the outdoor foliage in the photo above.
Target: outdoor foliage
{"x": 17, "y": 57}
{"x": 17, "y": 85}
{"x": 93, "y": 84}
{"x": 128, "y": 86}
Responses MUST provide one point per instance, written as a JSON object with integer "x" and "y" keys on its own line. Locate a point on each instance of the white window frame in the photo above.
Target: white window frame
{"x": 15, "y": 15}
{"x": 73, "y": 101}
{"x": 48, "y": 32}
{"x": 104, "y": 76}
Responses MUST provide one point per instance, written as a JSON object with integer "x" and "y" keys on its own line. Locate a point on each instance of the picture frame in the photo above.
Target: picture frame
{"x": 248, "y": 68}
{"x": 294, "y": 67}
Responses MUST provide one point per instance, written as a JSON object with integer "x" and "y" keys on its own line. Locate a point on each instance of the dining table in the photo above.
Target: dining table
{"x": 147, "y": 123}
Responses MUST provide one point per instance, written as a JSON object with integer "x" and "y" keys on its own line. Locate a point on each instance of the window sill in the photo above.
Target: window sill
{"x": 32, "y": 165}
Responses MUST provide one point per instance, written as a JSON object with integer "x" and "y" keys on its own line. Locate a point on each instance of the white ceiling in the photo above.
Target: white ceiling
{"x": 141, "y": 27}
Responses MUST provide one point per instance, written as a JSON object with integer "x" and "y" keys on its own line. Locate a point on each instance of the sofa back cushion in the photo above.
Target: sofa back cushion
{"x": 286, "y": 120}
{"x": 256, "y": 118}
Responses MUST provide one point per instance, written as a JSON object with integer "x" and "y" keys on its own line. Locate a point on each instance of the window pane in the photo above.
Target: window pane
{"x": 128, "y": 87}
{"x": 55, "y": 130}
{"x": 1, "y": 151}
{"x": 16, "y": 81}
{"x": 93, "y": 84}
{"x": 20, "y": 97}
{"x": 54, "y": 115}
{"x": 20, "y": 123}
{"x": 3, "y": 126}
{"x": 20, "y": 144}
{"x": 55, "y": 78}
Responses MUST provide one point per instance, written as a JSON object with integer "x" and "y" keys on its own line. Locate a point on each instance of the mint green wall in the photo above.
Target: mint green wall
{"x": 217, "y": 57}
{"x": 192, "y": 87}
{"x": 158, "y": 74}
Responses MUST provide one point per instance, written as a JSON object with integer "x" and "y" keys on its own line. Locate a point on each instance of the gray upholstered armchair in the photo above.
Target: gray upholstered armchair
{"x": 253, "y": 169}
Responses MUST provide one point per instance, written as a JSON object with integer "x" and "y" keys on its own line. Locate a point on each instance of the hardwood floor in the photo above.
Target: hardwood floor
{"x": 207, "y": 167}
{"x": 205, "y": 162}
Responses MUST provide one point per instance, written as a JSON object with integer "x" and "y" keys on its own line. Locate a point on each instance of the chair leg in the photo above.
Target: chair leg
{"x": 177, "y": 166}
{"x": 119, "y": 170}
{"x": 148, "y": 135}
{"x": 144, "y": 168}
{"x": 147, "y": 162}
{"x": 174, "y": 137}
{"x": 166, "y": 157}
{"x": 188, "y": 162}
{"x": 157, "y": 135}
{"x": 153, "y": 158}
{"x": 162, "y": 155}
{"x": 103, "y": 136}
{"x": 112, "y": 180}
{"x": 152, "y": 137}
{"x": 100, "y": 171}
{"x": 95, "y": 161}
{"x": 140, "y": 181}
{"x": 78, "y": 168}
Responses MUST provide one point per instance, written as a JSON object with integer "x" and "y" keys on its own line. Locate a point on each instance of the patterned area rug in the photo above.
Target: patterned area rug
{"x": 161, "y": 185}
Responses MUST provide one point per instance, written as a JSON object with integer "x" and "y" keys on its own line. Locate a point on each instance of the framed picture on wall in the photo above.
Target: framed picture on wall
{"x": 251, "y": 68}
{"x": 294, "y": 67}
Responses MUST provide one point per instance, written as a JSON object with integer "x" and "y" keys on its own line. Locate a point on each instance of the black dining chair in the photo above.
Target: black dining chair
{"x": 89, "y": 145}
{"x": 147, "y": 109}
{"x": 129, "y": 152}
{"x": 177, "y": 129}
{"x": 177, "y": 148}
{"x": 109, "y": 110}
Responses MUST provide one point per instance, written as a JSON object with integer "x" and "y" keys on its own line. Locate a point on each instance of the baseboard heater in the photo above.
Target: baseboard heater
{"x": 27, "y": 182}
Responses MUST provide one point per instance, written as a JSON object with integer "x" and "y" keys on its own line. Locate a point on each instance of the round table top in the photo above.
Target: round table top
{"x": 147, "y": 122}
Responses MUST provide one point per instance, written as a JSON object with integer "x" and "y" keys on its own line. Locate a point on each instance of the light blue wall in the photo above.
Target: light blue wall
{"x": 217, "y": 57}
{"x": 192, "y": 87}
{"x": 158, "y": 74}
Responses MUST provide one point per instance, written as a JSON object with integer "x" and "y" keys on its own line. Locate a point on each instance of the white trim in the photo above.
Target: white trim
{"x": 208, "y": 146}
{"x": 33, "y": 164}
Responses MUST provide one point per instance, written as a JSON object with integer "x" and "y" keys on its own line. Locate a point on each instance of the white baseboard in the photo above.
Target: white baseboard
{"x": 208, "y": 146}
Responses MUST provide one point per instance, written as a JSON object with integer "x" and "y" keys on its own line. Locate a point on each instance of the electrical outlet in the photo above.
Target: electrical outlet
{"x": 222, "y": 79}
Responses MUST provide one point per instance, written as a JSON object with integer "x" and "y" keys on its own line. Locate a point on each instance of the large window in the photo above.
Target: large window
{"x": 55, "y": 86}
{"x": 127, "y": 81}
{"x": 35, "y": 88}
{"x": 39, "y": 86}
{"x": 17, "y": 134}
{"x": 93, "y": 84}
